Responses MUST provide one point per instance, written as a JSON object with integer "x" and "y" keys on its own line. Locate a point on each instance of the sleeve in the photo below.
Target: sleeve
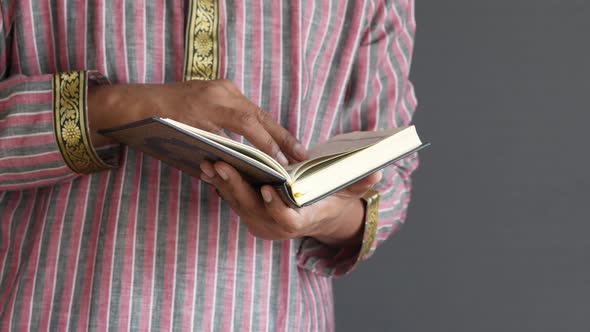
{"x": 44, "y": 136}
{"x": 380, "y": 95}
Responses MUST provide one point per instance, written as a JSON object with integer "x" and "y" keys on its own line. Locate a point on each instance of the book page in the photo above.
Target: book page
{"x": 346, "y": 169}
{"x": 337, "y": 147}
{"x": 350, "y": 142}
{"x": 237, "y": 146}
{"x": 185, "y": 150}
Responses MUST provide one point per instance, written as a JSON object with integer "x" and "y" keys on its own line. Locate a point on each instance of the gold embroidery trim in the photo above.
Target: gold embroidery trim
{"x": 371, "y": 220}
{"x": 201, "y": 59}
{"x": 70, "y": 125}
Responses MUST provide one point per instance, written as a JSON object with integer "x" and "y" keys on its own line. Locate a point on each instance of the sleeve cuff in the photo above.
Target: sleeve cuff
{"x": 332, "y": 262}
{"x": 70, "y": 121}
{"x": 371, "y": 222}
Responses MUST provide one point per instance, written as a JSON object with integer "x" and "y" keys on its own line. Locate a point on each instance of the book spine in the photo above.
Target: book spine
{"x": 284, "y": 191}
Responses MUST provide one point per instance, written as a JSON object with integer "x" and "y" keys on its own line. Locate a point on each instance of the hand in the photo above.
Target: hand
{"x": 336, "y": 220}
{"x": 209, "y": 105}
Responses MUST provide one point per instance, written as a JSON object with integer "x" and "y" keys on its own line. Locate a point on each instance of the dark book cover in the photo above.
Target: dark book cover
{"x": 183, "y": 149}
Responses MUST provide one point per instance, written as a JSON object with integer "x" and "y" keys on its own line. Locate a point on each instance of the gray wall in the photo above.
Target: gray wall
{"x": 498, "y": 235}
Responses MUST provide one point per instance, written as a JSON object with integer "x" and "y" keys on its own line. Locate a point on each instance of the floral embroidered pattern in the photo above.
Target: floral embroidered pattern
{"x": 71, "y": 133}
{"x": 202, "y": 48}
{"x": 69, "y": 123}
{"x": 203, "y": 44}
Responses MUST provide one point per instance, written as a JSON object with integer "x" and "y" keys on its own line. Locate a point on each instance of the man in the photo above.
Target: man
{"x": 97, "y": 236}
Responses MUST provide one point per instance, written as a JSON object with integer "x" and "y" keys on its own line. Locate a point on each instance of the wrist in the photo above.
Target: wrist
{"x": 342, "y": 224}
{"x": 113, "y": 105}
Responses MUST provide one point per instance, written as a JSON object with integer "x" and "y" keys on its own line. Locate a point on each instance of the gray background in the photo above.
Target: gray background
{"x": 498, "y": 234}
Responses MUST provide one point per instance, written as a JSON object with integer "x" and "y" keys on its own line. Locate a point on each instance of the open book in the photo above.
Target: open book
{"x": 332, "y": 165}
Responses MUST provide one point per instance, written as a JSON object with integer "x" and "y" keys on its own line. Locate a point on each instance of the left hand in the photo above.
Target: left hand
{"x": 336, "y": 220}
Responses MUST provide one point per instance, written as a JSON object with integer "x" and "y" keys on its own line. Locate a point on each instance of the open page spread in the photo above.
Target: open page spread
{"x": 325, "y": 154}
{"x": 322, "y": 179}
{"x": 237, "y": 146}
{"x": 350, "y": 142}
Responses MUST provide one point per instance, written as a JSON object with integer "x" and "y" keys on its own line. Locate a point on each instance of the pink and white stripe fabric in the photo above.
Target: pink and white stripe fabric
{"x": 145, "y": 246}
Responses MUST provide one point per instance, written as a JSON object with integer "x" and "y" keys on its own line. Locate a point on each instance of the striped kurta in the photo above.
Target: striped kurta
{"x": 143, "y": 245}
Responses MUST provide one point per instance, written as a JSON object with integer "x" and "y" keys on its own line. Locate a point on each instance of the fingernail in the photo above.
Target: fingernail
{"x": 266, "y": 196}
{"x": 300, "y": 150}
{"x": 205, "y": 177}
{"x": 207, "y": 171}
{"x": 221, "y": 173}
{"x": 282, "y": 159}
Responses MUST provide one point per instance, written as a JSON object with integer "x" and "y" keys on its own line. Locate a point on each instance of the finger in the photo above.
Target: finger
{"x": 290, "y": 220}
{"x": 236, "y": 190}
{"x": 222, "y": 191}
{"x": 287, "y": 142}
{"x": 210, "y": 127}
{"x": 245, "y": 119}
{"x": 207, "y": 168}
{"x": 227, "y": 84}
{"x": 247, "y": 203}
{"x": 259, "y": 226}
{"x": 210, "y": 175}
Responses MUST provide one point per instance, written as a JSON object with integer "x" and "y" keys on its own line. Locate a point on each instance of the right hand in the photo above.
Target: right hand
{"x": 208, "y": 105}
